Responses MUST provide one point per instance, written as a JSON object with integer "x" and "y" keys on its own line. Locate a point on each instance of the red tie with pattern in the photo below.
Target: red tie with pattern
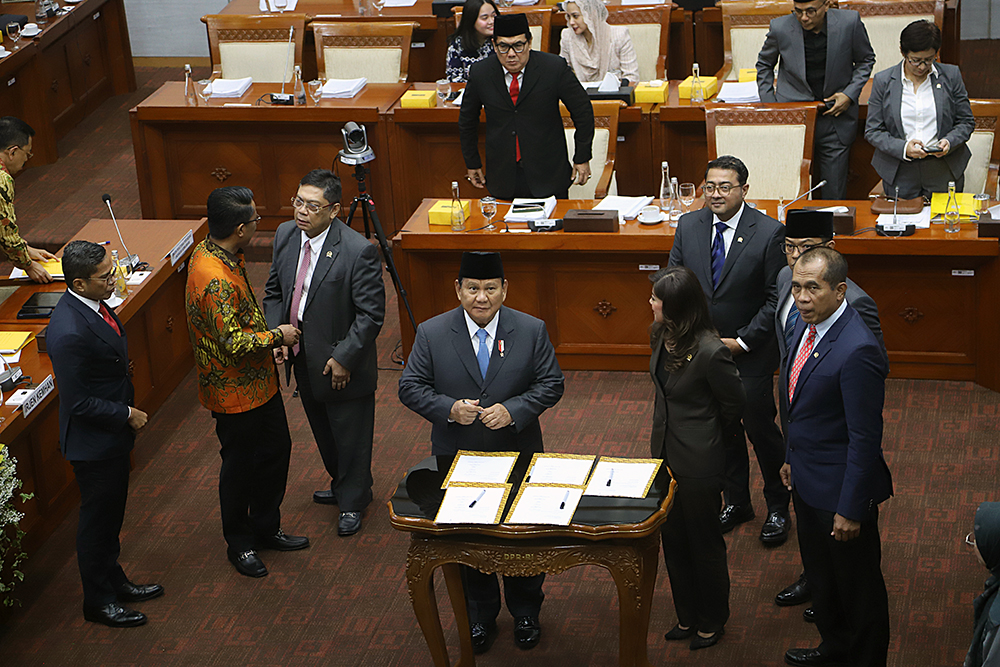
{"x": 515, "y": 88}
{"x": 800, "y": 360}
{"x": 103, "y": 310}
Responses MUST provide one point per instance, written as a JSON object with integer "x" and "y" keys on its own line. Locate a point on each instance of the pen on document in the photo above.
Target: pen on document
{"x": 611, "y": 476}
{"x": 478, "y": 498}
{"x": 104, "y": 243}
{"x": 562, "y": 505}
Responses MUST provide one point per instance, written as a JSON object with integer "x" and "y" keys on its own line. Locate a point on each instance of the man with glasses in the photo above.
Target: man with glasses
{"x": 525, "y": 143}
{"x": 326, "y": 280}
{"x": 825, "y": 57}
{"x": 15, "y": 151}
{"x": 238, "y": 382}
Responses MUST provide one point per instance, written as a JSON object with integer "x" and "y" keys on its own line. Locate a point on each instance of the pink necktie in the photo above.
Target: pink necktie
{"x": 300, "y": 280}
{"x": 800, "y": 361}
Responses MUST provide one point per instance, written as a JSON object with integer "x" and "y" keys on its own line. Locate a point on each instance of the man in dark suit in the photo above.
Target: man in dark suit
{"x": 97, "y": 427}
{"x": 326, "y": 280}
{"x": 736, "y": 253}
{"x": 825, "y": 56}
{"x": 805, "y": 230}
{"x": 832, "y": 391}
{"x": 482, "y": 374}
{"x": 525, "y": 143}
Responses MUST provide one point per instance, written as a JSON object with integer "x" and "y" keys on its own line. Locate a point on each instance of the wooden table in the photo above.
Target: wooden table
{"x": 159, "y": 358}
{"x": 619, "y": 534}
{"x": 935, "y": 292}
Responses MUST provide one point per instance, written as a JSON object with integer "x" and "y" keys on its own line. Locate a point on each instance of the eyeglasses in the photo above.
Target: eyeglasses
{"x": 254, "y": 221}
{"x": 26, "y": 151}
{"x": 808, "y": 12}
{"x": 791, "y": 248}
{"x": 107, "y": 278}
{"x": 970, "y": 539}
{"x": 917, "y": 62}
{"x": 503, "y": 47}
{"x": 298, "y": 202}
{"x": 724, "y": 188}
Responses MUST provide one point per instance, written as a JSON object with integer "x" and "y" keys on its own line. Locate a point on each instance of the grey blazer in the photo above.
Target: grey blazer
{"x": 884, "y": 127}
{"x": 849, "y": 62}
{"x": 442, "y": 369}
{"x": 743, "y": 305}
{"x": 344, "y": 310}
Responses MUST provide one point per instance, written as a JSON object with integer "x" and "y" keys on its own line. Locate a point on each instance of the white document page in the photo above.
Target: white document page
{"x": 559, "y": 470}
{"x": 472, "y": 504}
{"x": 921, "y": 220}
{"x": 621, "y": 479}
{"x": 545, "y": 505}
{"x": 472, "y": 469}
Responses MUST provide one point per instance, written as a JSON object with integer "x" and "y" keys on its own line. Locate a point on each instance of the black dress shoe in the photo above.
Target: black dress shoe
{"x": 483, "y": 636}
{"x": 733, "y": 515}
{"x": 349, "y": 523}
{"x": 704, "y": 642}
{"x": 809, "y": 615}
{"x": 248, "y": 564}
{"x": 807, "y": 657}
{"x": 775, "y": 529}
{"x": 129, "y": 592}
{"x": 281, "y": 542}
{"x": 797, "y": 593}
{"x": 114, "y": 615}
{"x": 677, "y": 633}
{"x": 325, "y": 497}
{"x": 527, "y": 632}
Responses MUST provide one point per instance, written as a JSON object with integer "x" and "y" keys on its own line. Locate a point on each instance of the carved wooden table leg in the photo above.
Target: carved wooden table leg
{"x": 635, "y": 576}
{"x": 456, "y": 592}
{"x": 420, "y": 565}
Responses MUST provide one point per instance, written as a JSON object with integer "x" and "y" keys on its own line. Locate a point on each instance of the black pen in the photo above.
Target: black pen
{"x": 562, "y": 505}
{"x": 478, "y": 498}
{"x": 611, "y": 476}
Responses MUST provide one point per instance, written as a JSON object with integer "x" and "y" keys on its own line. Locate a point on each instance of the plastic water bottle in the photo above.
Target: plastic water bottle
{"x": 299, "y": 88}
{"x": 189, "y": 94}
{"x": 665, "y": 190}
{"x": 951, "y": 211}
{"x": 121, "y": 286}
{"x": 697, "y": 89}
{"x": 457, "y": 213}
{"x": 675, "y": 202}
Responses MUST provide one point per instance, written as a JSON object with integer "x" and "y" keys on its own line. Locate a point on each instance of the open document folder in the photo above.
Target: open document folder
{"x": 53, "y": 266}
{"x": 473, "y": 503}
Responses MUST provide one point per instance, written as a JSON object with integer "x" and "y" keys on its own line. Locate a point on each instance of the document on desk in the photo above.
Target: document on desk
{"x": 473, "y": 503}
{"x": 480, "y": 468}
{"x": 544, "y": 504}
{"x": 53, "y": 266}
{"x": 571, "y": 469}
{"x": 920, "y": 220}
{"x": 622, "y": 478}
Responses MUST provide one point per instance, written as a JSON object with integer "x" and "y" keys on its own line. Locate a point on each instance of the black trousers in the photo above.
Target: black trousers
{"x": 255, "y": 450}
{"x": 482, "y": 595}
{"x": 521, "y": 188}
{"x": 103, "y": 492}
{"x": 344, "y": 431}
{"x": 848, "y": 591}
{"x": 830, "y": 160}
{"x": 695, "y": 553}
{"x": 921, "y": 178}
{"x": 768, "y": 445}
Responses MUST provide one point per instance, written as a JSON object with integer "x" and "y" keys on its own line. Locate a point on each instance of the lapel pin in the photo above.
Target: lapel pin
{"x": 939, "y": 85}
{"x": 500, "y": 347}
{"x": 329, "y": 253}
{"x": 816, "y": 355}
{"x": 739, "y": 240}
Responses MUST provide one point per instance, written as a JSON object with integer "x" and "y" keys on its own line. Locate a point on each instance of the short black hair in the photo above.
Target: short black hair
{"x": 14, "y": 132}
{"x": 325, "y": 180}
{"x": 835, "y": 271}
{"x": 228, "y": 208}
{"x": 80, "y": 260}
{"x": 919, "y": 36}
{"x": 732, "y": 164}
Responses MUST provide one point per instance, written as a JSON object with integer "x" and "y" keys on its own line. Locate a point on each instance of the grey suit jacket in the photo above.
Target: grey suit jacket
{"x": 344, "y": 309}
{"x": 743, "y": 304}
{"x": 884, "y": 127}
{"x": 849, "y": 62}
{"x": 442, "y": 369}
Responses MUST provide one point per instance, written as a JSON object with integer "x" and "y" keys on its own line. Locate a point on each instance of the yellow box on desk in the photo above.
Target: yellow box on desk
{"x": 650, "y": 94}
{"x": 419, "y": 99}
{"x": 708, "y": 83}
{"x": 440, "y": 213}
{"x": 748, "y": 74}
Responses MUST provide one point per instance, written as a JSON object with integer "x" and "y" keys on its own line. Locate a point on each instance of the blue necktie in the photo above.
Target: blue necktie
{"x": 483, "y": 356}
{"x": 718, "y": 253}
{"x": 793, "y": 319}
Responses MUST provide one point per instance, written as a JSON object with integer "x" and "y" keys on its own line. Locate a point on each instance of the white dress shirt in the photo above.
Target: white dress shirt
{"x": 727, "y": 242}
{"x": 508, "y": 77}
{"x": 491, "y": 332}
{"x": 918, "y": 110}
{"x": 821, "y": 328}
{"x": 316, "y": 246}
{"x": 93, "y": 305}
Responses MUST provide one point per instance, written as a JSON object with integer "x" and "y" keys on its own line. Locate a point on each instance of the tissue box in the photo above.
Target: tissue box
{"x": 419, "y": 99}
{"x": 709, "y": 83}
{"x": 645, "y": 92}
{"x": 748, "y": 74}
{"x": 440, "y": 213}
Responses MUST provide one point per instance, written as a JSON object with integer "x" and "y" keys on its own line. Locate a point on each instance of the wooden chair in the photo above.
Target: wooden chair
{"x": 602, "y": 162}
{"x": 649, "y": 28}
{"x": 744, "y": 26}
{"x": 378, "y": 51}
{"x": 885, "y": 19}
{"x": 754, "y": 133}
{"x": 255, "y": 46}
{"x": 539, "y": 23}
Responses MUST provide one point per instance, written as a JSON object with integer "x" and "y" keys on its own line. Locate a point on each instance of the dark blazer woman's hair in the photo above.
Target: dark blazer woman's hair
{"x": 685, "y": 314}
{"x": 472, "y": 40}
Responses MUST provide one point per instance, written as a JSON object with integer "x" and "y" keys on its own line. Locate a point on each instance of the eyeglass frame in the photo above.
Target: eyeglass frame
{"x": 254, "y": 221}
{"x": 504, "y": 48}
{"x": 808, "y": 12}
{"x": 723, "y": 188}
{"x": 790, "y": 248}
{"x": 30, "y": 154}
{"x": 921, "y": 61}
{"x": 308, "y": 205}
{"x": 107, "y": 280}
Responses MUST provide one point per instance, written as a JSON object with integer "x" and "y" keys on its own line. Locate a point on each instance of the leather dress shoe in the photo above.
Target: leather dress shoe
{"x": 527, "y": 632}
{"x": 797, "y": 593}
{"x": 114, "y": 615}
{"x": 678, "y": 633}
{"x": 733, "y": 515}
{"x": 808, "y": 657}
{"x": 704, "y": 642}
{"x": 483, "y": 636}
{"x": 809, "y": 615}
{"x": 248, "y": 563}
{"x": 775, "y": 529}
{"x": 281, "y": 542}
{"x": 325, "y": 497}
{"x": 129, "y": 592}
{"x": 349, "y": 523}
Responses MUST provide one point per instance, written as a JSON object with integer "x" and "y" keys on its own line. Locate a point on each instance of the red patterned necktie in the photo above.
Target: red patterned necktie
{"x": 800, "y": 360}
{"x": 515, "y": 88}
{"x": 103, "y": 310}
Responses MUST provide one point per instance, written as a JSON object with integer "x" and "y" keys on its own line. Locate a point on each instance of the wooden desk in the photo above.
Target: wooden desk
{"x": 592, "y": 289}
{"x": 183, "y": 152}
{"x": 159, "y": 358}
{"x": 619, "y": 534}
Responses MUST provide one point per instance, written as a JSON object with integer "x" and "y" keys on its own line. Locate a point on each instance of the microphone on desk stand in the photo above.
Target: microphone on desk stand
{"x": 784, "y": 207}
{"x": 895, "y": 203}
{"x": 130, "y": 260}
{"x": 284, "y": 98}
{"x": 10, "y": 377}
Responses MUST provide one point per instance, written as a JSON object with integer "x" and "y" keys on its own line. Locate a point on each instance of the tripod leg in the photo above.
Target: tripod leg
{"x": 350, "y": 214}
{"x": 368, "y": 209}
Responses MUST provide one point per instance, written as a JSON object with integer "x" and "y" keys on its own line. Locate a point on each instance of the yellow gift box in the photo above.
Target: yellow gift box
{"x": 708, "y": 83}
{"x": 419, "y": 99}
{"x": 748, "y": 74}
{"x": 648, "y": 93}
{"x": 966, "y": 203}
{"x": 440, "y": 213}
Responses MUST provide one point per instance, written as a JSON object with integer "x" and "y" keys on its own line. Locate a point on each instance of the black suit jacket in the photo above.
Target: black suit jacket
{"x": 91, "y": 367}
{"x": 743, "y": 304}
{"x": 536, "y": 121}
{"x": 442, "y": 369}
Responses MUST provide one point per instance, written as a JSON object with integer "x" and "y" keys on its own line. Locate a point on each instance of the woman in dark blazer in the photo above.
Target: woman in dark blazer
{"x": 915, "y": 107}
{"x": 698, "y": 389}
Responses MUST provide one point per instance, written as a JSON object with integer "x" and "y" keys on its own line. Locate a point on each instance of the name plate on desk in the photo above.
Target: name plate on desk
{"x": 32, "y": 400}
{"x": 177, "y": 252}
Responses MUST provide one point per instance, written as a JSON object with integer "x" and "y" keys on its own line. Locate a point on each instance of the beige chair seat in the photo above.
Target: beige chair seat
{"x": 649, "y": 28}
{"x": 378, "y": 51}
{"x": 602, "y": 162}
{"x": 255, "y": 46}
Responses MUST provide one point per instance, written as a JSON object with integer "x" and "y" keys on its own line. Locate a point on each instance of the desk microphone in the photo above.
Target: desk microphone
{"x": 284, "y": 98}
{"x": 131, "y": 260}
{"x": 784, "y": 207}
{"x": 10, "y": 377}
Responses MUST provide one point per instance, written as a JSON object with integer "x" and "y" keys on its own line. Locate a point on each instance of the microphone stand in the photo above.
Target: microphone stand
{"x": 784, "y": 207}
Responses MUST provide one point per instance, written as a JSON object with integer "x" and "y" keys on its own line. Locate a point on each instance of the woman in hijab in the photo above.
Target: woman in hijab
{"x": 985, "y": 538}
{"x": 592, "y": 47}
{"x": 473, "y": 40}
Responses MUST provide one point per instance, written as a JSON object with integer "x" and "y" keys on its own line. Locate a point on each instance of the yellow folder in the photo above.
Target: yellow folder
{"x": 966, "y": 203}
{"x": 12, "y": 341}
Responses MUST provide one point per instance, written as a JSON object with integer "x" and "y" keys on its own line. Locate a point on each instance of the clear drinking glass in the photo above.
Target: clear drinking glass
{"x": 316, "y": 91}
{"x": 379, "y": 4}
{"x": 687, "y": 195}
{"x": 488, "y": 206}
{"x": 281, "y": 5}
{"x": 14, "y": 33}
{"x": 443, "y": 91}
{"x": 982, "y": 204}
{"x": 202, "y": 89}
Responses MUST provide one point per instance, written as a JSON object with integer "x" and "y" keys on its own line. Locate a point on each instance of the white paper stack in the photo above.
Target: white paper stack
{"x": 739, "y": 92}
{"x": 400, "y": 3}
{"x": 523, "y": 210}
{"x": 627, "y": 207}
{"x": 264, "y": 6}
{"x": 524, "y": 3}
{"x": 920, "y": 220}
{"x": 344, "y": 88}
{"x": 230, "y": 87}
